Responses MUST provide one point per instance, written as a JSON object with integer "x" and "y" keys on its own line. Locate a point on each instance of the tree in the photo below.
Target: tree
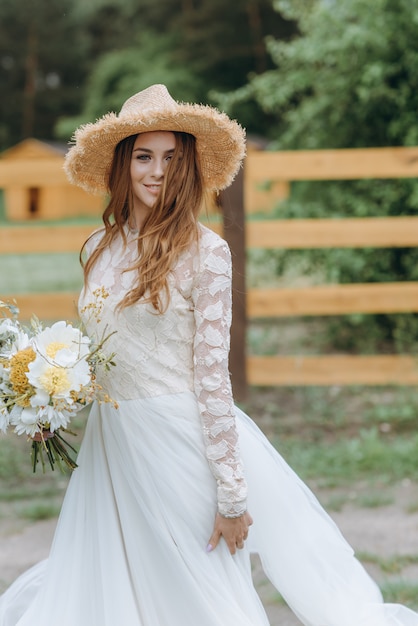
{"x": 349, "y": 80}
{"x": 353, "y": 67}
{"x": 194, "y": 46}
{"x": 55, "y": 59}
{"x": 40, "y": 73}
{"x": 118, "y": 75}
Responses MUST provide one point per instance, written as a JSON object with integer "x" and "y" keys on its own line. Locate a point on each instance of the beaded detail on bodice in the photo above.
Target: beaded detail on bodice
{"x": 183, "y": 349}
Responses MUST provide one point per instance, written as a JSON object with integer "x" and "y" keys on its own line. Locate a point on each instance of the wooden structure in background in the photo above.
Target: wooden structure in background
{"x": 263, "y": 167}
{"x": 261, "y": 195}
{"x": 36, "y": 187}
{"x": 232, "y": 202}
{"x": 271, "y": 303}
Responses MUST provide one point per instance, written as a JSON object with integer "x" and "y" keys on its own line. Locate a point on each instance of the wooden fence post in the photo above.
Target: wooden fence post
{"x": 232, "y": 203}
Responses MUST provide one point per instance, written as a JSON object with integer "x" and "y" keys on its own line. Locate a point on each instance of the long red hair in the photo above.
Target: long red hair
{"x": 169, "y": 228}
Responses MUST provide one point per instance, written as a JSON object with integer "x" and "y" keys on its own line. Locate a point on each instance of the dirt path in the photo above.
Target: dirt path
{"x": 383, "y": 532}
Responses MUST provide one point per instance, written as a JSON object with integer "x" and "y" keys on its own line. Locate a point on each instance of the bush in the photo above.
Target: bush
{"x": 348, "y": 80}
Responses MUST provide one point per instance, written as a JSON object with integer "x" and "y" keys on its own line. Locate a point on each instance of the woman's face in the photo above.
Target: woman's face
{"x": 151, "y": 155}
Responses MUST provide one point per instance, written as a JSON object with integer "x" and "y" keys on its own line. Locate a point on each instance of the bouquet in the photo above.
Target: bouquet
{"x": 47, "y": 375}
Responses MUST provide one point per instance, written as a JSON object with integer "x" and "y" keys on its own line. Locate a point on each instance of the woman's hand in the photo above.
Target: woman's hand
{"x": 233, "y": 530}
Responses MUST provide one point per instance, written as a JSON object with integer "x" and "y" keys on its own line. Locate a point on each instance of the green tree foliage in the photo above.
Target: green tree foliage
{"x": 349, "y": 80}
{"x": 119, "y": 74}
{"x": 70, "y": 61}
{"x": 193, "y": 46}
{"x": 41, "y": 69}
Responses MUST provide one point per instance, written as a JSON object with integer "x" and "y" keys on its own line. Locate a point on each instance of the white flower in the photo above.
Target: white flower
{"x": 4, "y": 417}
{"x": 46, "y": 377}
{"x": 60, "y": 337}
{"x": 57, "y": 381}
{"x": 41, "y": 398}
{"x": 12, "y": 338}
{"x": 60, "y": 367}
{"x": 25, "y": 421}
{"x": 4, "y": 378}
{"x": 7, "y": 327}
{"x": 56, "y": 418}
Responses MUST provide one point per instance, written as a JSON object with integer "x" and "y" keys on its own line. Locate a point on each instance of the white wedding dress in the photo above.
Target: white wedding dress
{"x": 130, "y": 545}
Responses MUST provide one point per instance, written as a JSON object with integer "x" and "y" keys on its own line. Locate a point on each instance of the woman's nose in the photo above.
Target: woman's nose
{"x": 158, "y": 169}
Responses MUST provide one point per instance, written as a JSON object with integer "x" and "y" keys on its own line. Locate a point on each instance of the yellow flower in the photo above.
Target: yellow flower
{"x": 19, "y": 366}
{"x": 55, "y": 380}
{"x": 95, "y": 308}
{"x": 54, "y": 347}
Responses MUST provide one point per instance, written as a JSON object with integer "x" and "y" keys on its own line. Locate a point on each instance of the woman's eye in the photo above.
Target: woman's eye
{"x": 143, "y": 157}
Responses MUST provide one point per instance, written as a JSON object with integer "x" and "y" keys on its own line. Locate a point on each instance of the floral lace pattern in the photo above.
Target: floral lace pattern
{"x": 185, "y": 348}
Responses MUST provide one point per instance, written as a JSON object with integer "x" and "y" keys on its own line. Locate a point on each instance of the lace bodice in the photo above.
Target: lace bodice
{"x": 183, "y": 349}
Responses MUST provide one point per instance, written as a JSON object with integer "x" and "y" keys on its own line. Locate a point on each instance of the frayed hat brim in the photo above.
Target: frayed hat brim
{"x": 220, "y": 141}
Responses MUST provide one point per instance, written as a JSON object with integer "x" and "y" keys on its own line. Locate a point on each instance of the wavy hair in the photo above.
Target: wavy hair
{"x": 168, "y": 229}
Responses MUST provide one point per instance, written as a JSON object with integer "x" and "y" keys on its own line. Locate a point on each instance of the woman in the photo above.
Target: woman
{"x": 154, "y": 524}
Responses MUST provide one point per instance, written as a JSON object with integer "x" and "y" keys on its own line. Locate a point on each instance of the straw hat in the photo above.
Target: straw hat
{"x": 220, "y": 141}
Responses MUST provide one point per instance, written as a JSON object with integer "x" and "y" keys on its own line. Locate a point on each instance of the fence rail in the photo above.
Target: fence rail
{"x": 376, "y": 232}
{"x": 266, "y": 303}
{"x": 34, "y": 239}
{"x": 268, "y": 167}
{"x": 265, "y": 170}
{"x": 332, "y": 370}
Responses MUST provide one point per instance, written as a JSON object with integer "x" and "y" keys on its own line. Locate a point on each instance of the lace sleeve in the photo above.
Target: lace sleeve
{"x": 212, "y": 305}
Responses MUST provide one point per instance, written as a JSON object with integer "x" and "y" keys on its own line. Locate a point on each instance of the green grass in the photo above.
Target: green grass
{"x": 39, "y": 273}
{"x": 401, "y": 592}
{"x": 18, "y": 483}
{"x": 389, "y": 565}
{"x": 336, "y": 502}
{"x": 73, "y": 220}
{"x": 374, "y": 500}
{"x": 368, "y": 455}
{"x": 25, "y": 273}
{"x": 342, "y": 435}
{"x": 28, "y": 492}
{"x": 40, "y": 511}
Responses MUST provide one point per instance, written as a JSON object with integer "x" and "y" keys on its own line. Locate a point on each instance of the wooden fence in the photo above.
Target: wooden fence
{"x": 262, "y": 167}
{"x": 338, "y": 233}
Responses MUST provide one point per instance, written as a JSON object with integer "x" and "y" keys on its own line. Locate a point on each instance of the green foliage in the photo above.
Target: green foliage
{"x": 401, "y": 592}
{"x": 12, "y": 460}
{"x": 348, "y": 81}
{"x": 374, "y": 500}
{"x": 58, "y": 60}
{"x": 40, "y": 272}
{"x": 366, "y": 333}
{"x": 336, "y": 436}
{"x": 41, "y": 67}
{"x": 121, "y": 73}
{"x": 368, "y": 455}
{"x": 37, "y": 511}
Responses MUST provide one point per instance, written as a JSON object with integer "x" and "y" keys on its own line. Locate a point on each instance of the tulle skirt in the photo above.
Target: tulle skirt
{"x": 130, "y": 544}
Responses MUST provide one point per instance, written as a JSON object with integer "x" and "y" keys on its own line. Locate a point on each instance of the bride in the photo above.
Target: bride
{"x": 177, "y": 486}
